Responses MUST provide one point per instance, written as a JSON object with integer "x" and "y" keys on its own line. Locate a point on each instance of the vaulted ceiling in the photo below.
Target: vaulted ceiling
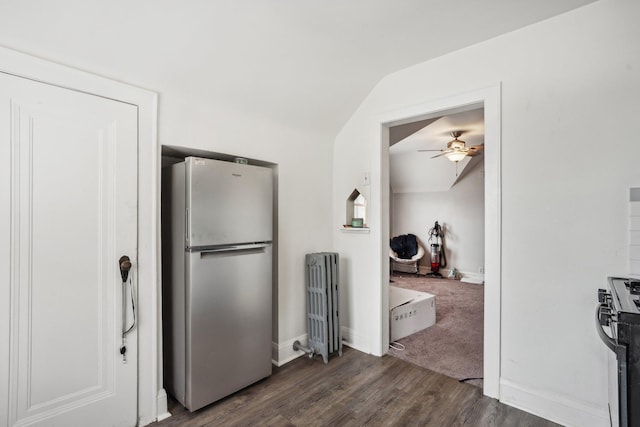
{"x": 307, "y": 63}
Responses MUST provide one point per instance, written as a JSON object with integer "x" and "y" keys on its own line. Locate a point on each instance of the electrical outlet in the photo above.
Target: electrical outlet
{"x": 481, "y": 270}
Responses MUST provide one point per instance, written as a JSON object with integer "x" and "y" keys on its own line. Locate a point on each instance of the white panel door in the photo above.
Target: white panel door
{"x": 68, "y": 212}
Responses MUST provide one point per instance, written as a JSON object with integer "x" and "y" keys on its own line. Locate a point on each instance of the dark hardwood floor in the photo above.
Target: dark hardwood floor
{"x": 355, "y": 389}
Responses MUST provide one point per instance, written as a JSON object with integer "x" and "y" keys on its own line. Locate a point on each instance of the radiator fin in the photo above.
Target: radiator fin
{"x": 323, "y": 302}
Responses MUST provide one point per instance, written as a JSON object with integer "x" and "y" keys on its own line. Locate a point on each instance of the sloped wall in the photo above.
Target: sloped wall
{"x": 570, "y": 90}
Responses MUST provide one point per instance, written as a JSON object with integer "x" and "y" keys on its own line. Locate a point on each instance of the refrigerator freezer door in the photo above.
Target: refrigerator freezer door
{"x": 227, "y": 203}
{"x": 228, "y": 322}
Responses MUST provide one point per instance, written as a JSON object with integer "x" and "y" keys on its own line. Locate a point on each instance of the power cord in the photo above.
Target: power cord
{"x": 469, "y": 379}
{"x": 133, "y": 308}
{"x": 396, "y": 346}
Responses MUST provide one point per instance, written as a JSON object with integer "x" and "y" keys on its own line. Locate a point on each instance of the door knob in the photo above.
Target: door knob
{"x": 125, "y": 266}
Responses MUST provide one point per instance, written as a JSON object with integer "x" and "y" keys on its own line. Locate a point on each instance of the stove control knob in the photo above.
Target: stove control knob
{"x": 604, "y": 316}
{"x": 604, "y": 296}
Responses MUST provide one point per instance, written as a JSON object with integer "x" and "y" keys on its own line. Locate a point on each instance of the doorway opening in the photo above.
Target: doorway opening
{"x": 487, "y": 99}
{"x": 436, "y": 175}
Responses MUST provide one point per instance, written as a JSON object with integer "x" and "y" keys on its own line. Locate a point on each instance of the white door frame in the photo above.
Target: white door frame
{"x": 489, "y": 98}
{"x": 152, "y": 402}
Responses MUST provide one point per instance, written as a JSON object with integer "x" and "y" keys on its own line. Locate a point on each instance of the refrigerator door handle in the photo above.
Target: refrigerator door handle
{"x": 235, "y": 248}
{"x": 186, "y": 227}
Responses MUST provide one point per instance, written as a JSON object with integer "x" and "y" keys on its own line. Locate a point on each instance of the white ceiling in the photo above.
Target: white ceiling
{"x": 414, "y": 171}
{"x": 306, "y": 63}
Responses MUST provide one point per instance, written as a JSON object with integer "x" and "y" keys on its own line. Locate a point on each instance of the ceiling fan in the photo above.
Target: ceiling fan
{"x": 457, "y": 150}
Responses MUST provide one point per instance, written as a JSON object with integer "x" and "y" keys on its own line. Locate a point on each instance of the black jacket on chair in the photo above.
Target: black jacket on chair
{"x": 406, "y": 246}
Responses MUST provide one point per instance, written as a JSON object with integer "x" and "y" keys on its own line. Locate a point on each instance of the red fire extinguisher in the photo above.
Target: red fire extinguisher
{"x": 438, "y": 258}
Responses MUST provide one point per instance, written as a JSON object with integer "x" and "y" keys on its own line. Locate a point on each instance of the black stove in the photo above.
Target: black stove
{"x": 618, "y": 324}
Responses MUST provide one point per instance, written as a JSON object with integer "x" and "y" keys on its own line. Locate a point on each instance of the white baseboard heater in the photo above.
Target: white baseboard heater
{"x": 323, "y": 316}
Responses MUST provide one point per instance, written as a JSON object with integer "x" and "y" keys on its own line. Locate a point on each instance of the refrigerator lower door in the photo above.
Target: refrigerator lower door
{"x": 228, "y": 328}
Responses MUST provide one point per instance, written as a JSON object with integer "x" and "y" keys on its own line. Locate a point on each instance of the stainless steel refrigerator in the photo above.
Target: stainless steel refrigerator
{"x": 217, "y": 221}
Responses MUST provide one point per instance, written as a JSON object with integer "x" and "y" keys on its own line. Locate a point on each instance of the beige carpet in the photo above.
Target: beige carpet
{"x": 453, "y": 346}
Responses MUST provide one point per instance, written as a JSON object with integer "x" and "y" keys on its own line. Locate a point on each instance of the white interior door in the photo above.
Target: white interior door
{"x": 68, "y": 212}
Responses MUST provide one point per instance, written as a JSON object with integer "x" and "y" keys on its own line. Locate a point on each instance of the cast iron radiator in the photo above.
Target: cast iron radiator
{"x": 323, "y": 318}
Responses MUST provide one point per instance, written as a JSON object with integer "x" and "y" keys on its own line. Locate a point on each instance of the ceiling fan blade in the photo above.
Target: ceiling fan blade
{"x": 475, "y": 150}
{"x": 441, "y": 154}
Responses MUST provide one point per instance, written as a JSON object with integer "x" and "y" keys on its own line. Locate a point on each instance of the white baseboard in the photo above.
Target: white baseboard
{"x": 354, "y": 340}
{"x": 423, "y": 270}
{"x": 556, "y": 408}
{"x": 162, "y": 406}
{"x": 284, "y": 353}
{"x": 475, "y": 278}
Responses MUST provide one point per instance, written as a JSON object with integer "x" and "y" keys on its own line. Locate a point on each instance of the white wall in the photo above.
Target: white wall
{"x": 570, "y": 90}
{"x": 459, "y": 210}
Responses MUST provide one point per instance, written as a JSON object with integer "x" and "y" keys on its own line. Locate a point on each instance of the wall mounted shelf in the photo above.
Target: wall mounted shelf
{"x": 356, "y": 230}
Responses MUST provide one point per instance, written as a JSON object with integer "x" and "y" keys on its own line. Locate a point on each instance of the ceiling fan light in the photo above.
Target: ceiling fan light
{"x": 456, "y": 156}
